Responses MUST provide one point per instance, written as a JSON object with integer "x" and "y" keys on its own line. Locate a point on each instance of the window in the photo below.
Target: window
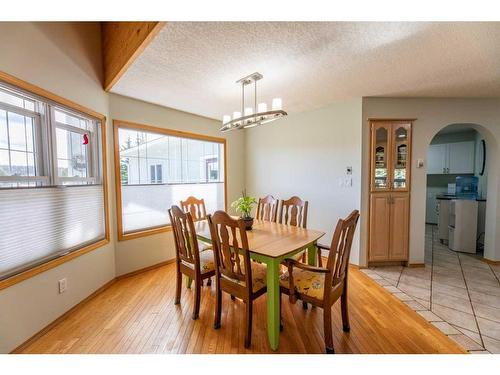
{"x": 159, "y": 168}
{"x": 51, "y": 181}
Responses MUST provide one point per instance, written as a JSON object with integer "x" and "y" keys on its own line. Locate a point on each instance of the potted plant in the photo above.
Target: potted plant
{"x": 244, "y": 205}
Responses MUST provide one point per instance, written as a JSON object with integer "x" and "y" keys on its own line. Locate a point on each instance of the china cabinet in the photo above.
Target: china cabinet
{"x": 390, "y": 163}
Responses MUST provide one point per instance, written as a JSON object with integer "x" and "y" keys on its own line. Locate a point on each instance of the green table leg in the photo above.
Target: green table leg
{"x": 273, "y": 295}
{"x": 312, "y": 254}
{"x": 189, "y": 281}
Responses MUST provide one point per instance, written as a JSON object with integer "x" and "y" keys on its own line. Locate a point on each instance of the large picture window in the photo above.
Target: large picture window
{"x": 158, "y": 168}
{"x": 52, "y": 194}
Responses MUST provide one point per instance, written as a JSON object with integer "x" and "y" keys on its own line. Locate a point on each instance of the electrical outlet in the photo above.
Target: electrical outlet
{"x": 63, "y": 285}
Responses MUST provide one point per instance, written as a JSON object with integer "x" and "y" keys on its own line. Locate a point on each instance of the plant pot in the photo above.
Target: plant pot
{"x": 248, "y": 222}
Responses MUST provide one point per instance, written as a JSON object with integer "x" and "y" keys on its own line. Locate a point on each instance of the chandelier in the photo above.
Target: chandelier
{"x": 252, "y": 116}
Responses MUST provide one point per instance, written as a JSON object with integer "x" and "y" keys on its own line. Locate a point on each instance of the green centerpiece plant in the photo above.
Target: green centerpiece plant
{"x": 244, "y": 206}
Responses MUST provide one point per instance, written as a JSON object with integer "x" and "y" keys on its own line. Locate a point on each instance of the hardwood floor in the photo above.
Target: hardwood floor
{"x": 137, "y": 315}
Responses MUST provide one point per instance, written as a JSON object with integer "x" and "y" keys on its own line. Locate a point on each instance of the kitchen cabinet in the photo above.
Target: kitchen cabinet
{"x": 390, "y": 169}
{"x": 451, "y": 158}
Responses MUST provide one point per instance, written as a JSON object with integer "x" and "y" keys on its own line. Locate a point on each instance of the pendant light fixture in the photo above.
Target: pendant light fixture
{"x": 249, "y": 117}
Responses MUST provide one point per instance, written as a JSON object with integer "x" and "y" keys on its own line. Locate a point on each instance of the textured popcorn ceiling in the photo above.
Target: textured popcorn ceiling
{"x": 193, "y": 66}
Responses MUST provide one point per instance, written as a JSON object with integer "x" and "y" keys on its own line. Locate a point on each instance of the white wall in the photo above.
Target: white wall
{"x": 138, "y": 253}
{"x": 305, "y": 154}
{"x": 432, "y": 115}
{"x": 64, "y": 58}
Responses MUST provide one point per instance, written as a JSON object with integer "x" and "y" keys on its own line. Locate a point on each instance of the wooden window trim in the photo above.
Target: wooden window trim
{"x": 117, "y": 124}
{"x": 7, "y": 78}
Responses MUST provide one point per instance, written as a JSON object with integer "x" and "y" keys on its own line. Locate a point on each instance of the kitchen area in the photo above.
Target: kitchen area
{"x": 456, "y": 188}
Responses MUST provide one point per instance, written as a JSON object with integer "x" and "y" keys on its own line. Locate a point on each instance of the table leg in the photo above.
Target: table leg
{"x": 189, "y": 281}
{"x": 312, "y": 254}
{"x": 273, "y": 296}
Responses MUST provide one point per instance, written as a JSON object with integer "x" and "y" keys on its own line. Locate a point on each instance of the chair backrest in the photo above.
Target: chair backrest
{"x": 230, "y": 246}
{"x": 340, "y": 249}
{"x": 294, "y": 212}
{"x": 186, "y": 244}
{"x": 267, "y": 209}
{"x": 196, "y": 207}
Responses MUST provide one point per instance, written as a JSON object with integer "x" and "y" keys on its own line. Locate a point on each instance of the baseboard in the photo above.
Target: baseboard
{"x": 489, "y": 261}
{"x": 44, "y": 330}
{"x": 416, "y": 265}
{"x": 157, "y": 265}
{"x": 62, "y": 317}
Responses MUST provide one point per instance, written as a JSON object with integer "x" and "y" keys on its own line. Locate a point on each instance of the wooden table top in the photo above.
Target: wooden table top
{"x": 271, "y": 239}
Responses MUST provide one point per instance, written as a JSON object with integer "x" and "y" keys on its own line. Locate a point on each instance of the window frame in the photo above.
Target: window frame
{"x": 56, "y": 100}
{"x": 121, "y": 124}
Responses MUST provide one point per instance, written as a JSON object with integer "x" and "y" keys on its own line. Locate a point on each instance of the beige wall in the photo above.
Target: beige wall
{"x": 306, "y": 154}
{"x": 64, "y": 58}
{"x": 432, "y": 115}
{"x": 138, "y": 253}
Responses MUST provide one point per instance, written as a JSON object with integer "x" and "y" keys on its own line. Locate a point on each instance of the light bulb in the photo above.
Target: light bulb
{"x": 248, "y": 111}
{"x": 226, "y": 119}
{"x": 262, "y": 107}
{"x": 277, "y": 104}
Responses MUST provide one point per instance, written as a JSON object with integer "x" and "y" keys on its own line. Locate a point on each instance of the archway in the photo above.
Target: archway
{"x": 488, "y": 186}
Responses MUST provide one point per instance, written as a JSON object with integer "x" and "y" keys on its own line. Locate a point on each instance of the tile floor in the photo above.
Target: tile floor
{"x": 456, "y": 292}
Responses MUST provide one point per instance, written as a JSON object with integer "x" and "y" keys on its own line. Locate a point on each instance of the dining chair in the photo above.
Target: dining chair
{"x": 267, "y": 209}
{"x": 235, "y": 273}
{"x": 293, "y": 211}
{"x": 190, "y": 261}
{"x": 196, "y": 207}
{"x": 320, "y": 286}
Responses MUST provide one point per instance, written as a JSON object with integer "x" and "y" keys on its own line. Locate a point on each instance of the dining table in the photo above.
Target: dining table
{"x": 271, "y": 243}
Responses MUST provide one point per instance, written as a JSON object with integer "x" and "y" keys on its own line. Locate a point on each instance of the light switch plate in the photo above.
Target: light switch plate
{"x": 420, "y": 163}
{"x": 63, "y": 285}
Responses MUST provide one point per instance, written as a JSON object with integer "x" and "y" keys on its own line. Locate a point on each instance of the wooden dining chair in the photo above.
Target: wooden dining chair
{"x": 190, "y": 261}
{"x": 196, "y": 207}
{"x": 293, "y": 211}
{"x": 320, "y": 286}
{"x": 235, "y": 272}
{"x": 267, "y": 209}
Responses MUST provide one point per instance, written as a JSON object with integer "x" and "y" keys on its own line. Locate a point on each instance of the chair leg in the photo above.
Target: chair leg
{"x": 345, "y": 311}
{"x": 218, "y": 305}
{"x": 209, "y": 281}
{"x": 304, "y": 305}
{"x": 248, "y": 330}
{"x": 327, "y": 327}
{"x": 197, "y": 297}
{"x": 233, "y": 297}
{"x": 178, "y": 286}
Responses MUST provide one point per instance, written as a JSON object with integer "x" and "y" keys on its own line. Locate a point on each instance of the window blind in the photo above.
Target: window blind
{"x": 42, "y": 224}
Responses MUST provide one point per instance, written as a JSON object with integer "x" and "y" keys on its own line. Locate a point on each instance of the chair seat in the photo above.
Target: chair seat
{"x": 207, "y": 261}
{"x": 258, "y": 276}
{"x": 202, "y": 246}
{"x": 311, "y": 284}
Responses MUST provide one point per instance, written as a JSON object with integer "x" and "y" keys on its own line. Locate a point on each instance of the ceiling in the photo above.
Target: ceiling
{"x": 193, "y": 66}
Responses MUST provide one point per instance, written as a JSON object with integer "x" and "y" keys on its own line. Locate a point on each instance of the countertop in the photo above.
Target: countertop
{"x": 450, "y": 197}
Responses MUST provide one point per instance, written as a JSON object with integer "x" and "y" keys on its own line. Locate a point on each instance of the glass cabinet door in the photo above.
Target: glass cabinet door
{"x": 400, "y": 159}
{"x": 380, "y": 162}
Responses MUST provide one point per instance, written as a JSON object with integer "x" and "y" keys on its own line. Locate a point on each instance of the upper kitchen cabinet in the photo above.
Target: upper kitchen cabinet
{"x": 390, "y": 150}
{"x": 451, "y": 158}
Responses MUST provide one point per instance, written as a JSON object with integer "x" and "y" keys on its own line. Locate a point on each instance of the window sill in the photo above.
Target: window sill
{"x": 143, "y": 233}
{"x": 49, "y": 265}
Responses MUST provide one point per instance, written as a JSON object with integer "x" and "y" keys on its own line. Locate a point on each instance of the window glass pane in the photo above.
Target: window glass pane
{"x": 4, "y": 140}
{"x": 18, "y": 163}
{"x": 17, "y": 132}
{"x": 8, "y": 98}
{"x": 30, "y": 137}
{"x": 4, "y": 163}
{"x": 71, "y": 154}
